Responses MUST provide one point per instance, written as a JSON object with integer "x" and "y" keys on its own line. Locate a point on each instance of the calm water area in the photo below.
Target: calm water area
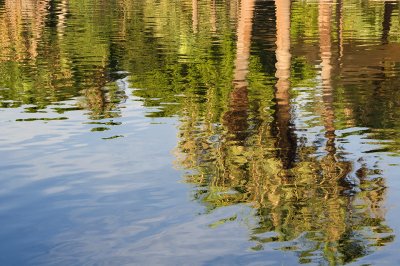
{"x": 199, "y": 132}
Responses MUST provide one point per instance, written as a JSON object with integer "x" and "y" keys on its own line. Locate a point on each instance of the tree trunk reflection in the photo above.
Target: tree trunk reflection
{"x": 286, "y": 139}
{"x": 236, "y": 118}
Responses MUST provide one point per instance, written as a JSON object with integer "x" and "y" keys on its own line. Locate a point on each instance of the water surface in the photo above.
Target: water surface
{"x": 199, "y": 132}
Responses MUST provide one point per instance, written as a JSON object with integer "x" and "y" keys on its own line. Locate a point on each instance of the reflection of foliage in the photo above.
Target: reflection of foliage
{"x": 313, "y": 208}
{"x": 303, "y": 75}
{"x": 59, "y": 60}
{"x": 102, "y": 101}
{"x": 314, "y": 212}
{"x": 361, "y": 20}
{"x": 304, "y": 27}
{"x": 183, "y": 68}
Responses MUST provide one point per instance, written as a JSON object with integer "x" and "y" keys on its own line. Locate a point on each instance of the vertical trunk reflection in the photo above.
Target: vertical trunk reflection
{"x": 286, "y": 139}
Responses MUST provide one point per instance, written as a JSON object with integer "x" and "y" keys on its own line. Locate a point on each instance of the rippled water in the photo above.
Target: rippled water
{"x": 199, "y": 132}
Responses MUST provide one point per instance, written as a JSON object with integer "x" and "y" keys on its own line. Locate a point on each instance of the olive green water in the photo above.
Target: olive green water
{"x": 199, "y": 132}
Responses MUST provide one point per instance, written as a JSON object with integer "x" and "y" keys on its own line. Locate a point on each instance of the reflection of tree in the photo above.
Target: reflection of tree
{"x": 236, "y": 128}
{"x": 387, "y": 15}
{"x": 13, "y": 29}
{"x": 315, "y": 212}
{"x": 362, "y": 76}
{"x": 286, "y": 144}
{"x": 236, "y": 117}
{"x": 195, "y": 15}
{"x": 38, "y": 62}
{"x": 101, "y": 98}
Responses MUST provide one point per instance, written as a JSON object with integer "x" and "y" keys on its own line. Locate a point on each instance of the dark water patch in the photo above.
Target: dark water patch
{"x": 109, "y": 123}
{"x": 98, "y": 129}
{"x": 113, "y": 137}
{"x": 62, "y": 110}
{"x": 41, "y": 119}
